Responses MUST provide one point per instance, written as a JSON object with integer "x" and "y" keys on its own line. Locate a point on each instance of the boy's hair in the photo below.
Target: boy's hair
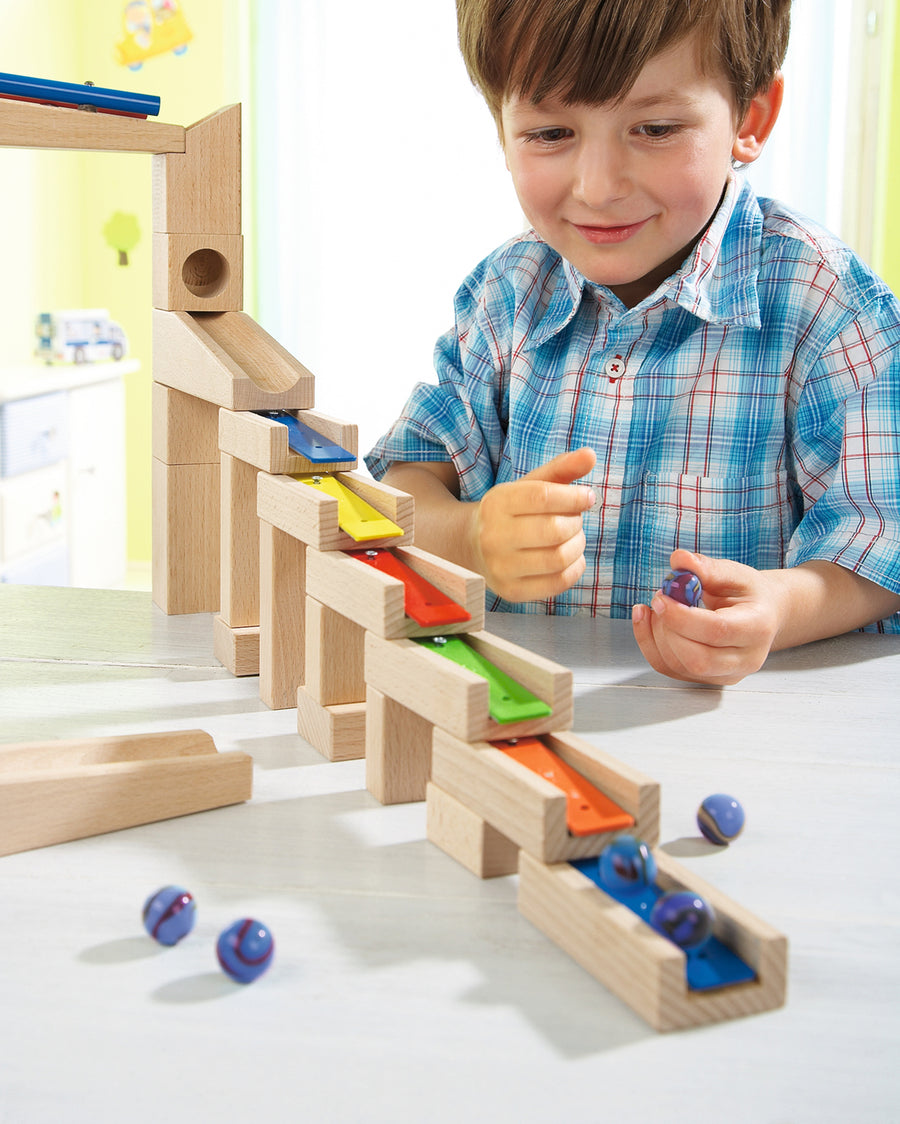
{"x": 592, "y": 51}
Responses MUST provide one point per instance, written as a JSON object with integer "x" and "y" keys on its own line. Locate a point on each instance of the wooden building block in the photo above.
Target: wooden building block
{"x": 338, "y": 732}
{"x": 312, "y": 517}
{"x": 642, "y": 968}
{"x": 198, "y": 272}
{"x": 530, "y": 810}
{"x": 456, "y": 699}
{"x": 398, "y": 750}
{"x": 282, "y": 609}
{"x": 264, "y": 441}
{"x": 228, "y": 359}
{"x": 466, "y": 837}
{"x": 334, "y": 655}
{"x": 239, "y": 545}
{"x": 199, "y": 189}
{"x": 52, "y": 792}
{"x": 236, "y": 649}
{"x": 26, "y": 125}
{"x": 375, "y": 600}
{"x": 185, "y": 533}
{"x": 185, "y": 428}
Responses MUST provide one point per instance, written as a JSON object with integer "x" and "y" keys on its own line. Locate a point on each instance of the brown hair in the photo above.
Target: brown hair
{"x": 592, "y": 51}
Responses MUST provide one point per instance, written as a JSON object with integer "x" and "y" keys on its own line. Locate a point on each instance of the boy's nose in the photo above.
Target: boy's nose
{"x": 600, "y": 177}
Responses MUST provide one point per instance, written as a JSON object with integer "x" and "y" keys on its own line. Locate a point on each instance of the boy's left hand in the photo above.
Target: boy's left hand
{"x": 719, "y": 644}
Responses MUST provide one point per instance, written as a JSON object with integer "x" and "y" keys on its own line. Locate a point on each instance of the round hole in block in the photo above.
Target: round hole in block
{"x": 205, "y": 273}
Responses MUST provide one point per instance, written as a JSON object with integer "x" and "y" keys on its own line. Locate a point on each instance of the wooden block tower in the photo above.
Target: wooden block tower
{"x": 208, "y": 355}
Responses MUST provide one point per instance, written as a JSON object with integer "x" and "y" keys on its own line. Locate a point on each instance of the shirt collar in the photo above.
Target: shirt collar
{"x": 717, "y": 283}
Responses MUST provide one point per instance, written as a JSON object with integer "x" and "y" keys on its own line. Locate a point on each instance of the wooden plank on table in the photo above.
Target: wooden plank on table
{"x": 54, "y": 792}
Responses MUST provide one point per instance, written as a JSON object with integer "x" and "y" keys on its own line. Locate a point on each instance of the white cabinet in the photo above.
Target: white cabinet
{"x": 96, "y": 524}
{"x": 62, "y": 475}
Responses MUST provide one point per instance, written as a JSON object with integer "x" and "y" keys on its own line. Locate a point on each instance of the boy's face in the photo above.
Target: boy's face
{"x": 623, "y": 191}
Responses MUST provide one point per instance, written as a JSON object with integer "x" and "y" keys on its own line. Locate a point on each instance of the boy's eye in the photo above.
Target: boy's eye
{"x": 657, "y": 132}
{"x": 549, "y": 136}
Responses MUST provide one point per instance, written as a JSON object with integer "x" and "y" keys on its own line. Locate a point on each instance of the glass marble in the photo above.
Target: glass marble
{"x": 627, "y": 864}
{"x": 721, "y": 818}
{"x": 683, "y": 586}
{"x": 169, "y": 914}
{"x": 684, "y": 917}
{"x": 245, "y": 950}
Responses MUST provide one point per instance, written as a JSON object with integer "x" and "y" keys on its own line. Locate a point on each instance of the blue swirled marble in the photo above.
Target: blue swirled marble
{"x": 684, "y": 917}
{"x": 721, "y": 818}
{"x": 627, "y": 864}
{"x": 683, "y": 586}
{"x": 245, "y": 950}
{"x": 169, "y": 914}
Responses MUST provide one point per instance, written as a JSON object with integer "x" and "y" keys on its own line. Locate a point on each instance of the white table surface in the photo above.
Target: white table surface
{"x": 405, "y": 989}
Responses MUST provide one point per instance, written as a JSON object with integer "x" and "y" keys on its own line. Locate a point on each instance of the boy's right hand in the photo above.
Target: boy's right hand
{"x": 527, "y": 533}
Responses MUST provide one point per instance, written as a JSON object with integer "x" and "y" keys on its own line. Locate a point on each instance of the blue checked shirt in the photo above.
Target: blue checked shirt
{"x": 747, "y": 409}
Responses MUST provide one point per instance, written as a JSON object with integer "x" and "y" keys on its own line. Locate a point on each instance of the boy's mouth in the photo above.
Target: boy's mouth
{"x": 609, "y": 235}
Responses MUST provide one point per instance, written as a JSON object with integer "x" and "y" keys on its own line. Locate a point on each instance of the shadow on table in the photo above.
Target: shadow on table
{"x": 835, "y": 652}
{"x": 388, "y": 899}
{"x": 610, "y": 707}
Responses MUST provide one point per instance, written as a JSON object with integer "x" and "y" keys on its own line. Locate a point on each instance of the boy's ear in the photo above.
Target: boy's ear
{"x": 758, "y": 122}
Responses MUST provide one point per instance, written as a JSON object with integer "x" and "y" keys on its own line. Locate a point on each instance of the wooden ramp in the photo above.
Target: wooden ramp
{"x": 227, "y": 359}
{"x": 52, "y": 792}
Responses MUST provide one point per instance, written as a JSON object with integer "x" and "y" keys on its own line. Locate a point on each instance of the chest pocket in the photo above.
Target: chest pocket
{"x": 747, "y": 519}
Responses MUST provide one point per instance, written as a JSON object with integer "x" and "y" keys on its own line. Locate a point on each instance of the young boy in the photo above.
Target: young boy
{"x": 722, "y": 375}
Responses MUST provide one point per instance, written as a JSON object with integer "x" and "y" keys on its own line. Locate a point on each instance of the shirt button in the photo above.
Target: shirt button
{"x": 615, "y": 367}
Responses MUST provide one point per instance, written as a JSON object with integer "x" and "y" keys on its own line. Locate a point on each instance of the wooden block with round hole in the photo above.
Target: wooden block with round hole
{"x": 198, "y": 272}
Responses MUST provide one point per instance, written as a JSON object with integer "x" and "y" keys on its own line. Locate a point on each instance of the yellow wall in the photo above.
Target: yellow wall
{"x": 889, "y": 194}
{"x": 41, "y": 191}
{"x": 65, "y": 199}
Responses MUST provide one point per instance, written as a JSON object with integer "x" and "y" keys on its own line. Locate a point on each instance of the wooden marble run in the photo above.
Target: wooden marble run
{"x": 261, "y": 518}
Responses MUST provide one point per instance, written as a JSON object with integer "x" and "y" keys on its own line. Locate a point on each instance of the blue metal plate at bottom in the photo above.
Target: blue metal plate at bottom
{"x": 712, "y": 966}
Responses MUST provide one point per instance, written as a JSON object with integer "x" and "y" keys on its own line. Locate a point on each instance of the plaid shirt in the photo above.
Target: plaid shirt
{"x": 747, "y": 409}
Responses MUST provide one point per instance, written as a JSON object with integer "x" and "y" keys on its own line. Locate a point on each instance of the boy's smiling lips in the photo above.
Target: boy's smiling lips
{"x": 609, "y": 235}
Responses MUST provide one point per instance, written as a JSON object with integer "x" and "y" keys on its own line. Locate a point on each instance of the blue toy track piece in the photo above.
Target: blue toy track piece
{"x": 711, "y": 966}
{"x": 127, "y": 102}
{"x": 307, "y": 442}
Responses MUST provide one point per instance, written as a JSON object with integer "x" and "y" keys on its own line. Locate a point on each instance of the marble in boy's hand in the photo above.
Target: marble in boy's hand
{"x": 719, "y": 642}
{"x": 683, "y": 586}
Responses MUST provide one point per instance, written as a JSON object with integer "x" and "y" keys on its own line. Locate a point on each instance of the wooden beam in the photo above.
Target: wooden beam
{"x": 27, "y": 125}
{"x": 200, "y": 191}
